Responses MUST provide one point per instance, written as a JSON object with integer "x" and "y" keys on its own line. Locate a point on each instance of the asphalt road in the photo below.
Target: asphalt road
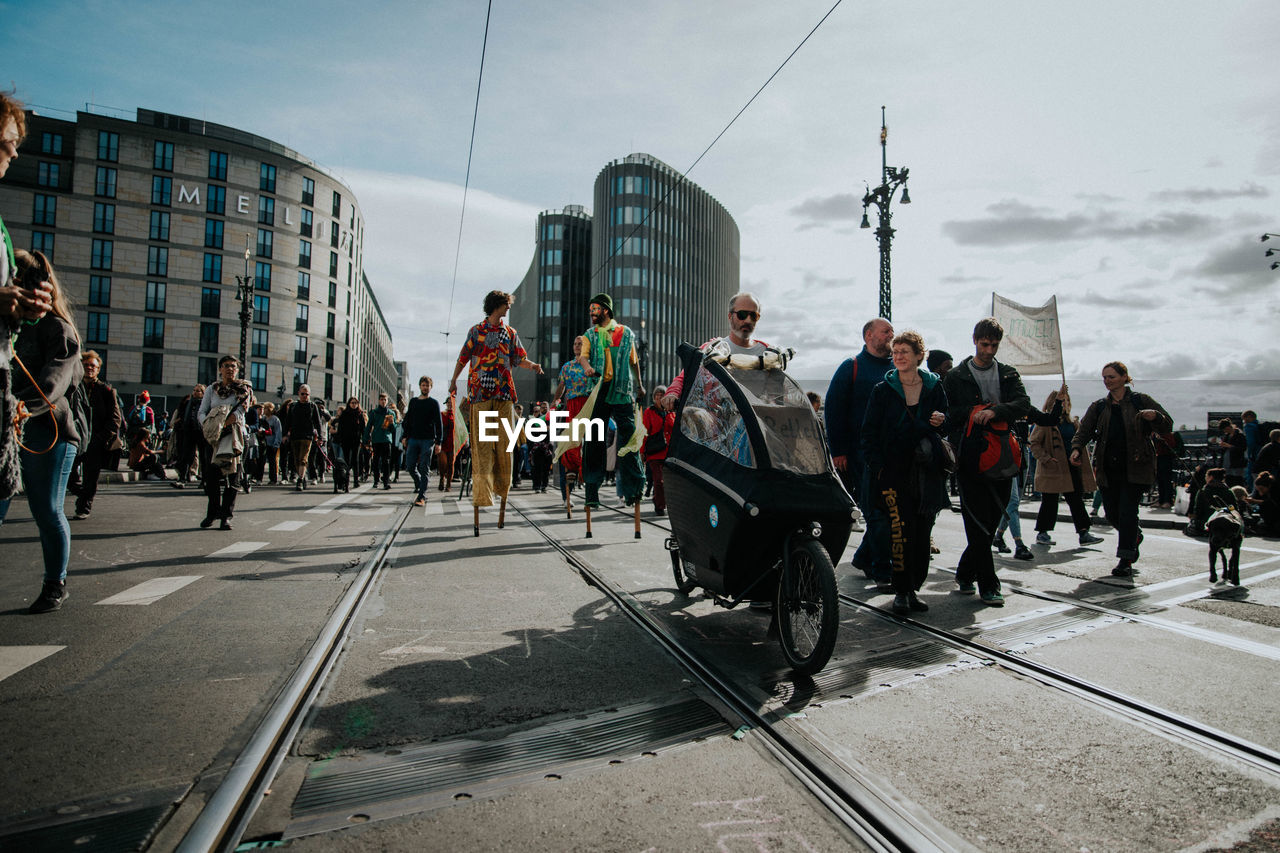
{"x": 135, "y": 698}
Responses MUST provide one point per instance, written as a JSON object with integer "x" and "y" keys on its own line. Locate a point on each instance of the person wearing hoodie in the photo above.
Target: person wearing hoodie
{"x": 900, "y": 441}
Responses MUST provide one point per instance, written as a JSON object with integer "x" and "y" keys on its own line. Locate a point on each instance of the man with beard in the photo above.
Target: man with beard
{"x": 608, "y": 351}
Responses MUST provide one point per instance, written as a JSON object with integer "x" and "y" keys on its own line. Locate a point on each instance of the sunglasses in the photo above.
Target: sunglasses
{"x": 747, "y": 315}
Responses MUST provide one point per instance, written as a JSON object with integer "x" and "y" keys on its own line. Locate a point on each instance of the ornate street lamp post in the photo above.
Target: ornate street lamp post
{"x": 244, "y": 293}
{"x": 882, "y": 197}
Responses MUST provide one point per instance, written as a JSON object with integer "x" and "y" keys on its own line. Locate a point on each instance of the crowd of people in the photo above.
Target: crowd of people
{"x": 906, "y": 429}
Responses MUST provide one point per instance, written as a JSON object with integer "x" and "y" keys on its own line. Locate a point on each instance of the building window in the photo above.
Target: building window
{"x": 305, "y": 228}
{"x": 163, "y": 159}
{"x": 47, "y": 175}
{"x": 262, "y": 276}
{"x": 104, "y": 183}
{"x": 337, "y": 205}
{"x": 258, "y": 375}
{"x": 42, "y": 241}
{"x": 304, "y": 285}
{"x": 100, "y": 291}
{"x": 304, "y": 254}
{"x": 308, "y": 191}
{"x": 216, "y": 200}
{"x": 333, "y": 264}
{"x": 266, "y": 210}
{"x": 267, "y": 178}
{"x": 334, "y": 233}
{"x": 265, "y": 242}
{"x": 210, "y": 302}
{"x": 108, "y": 146}
{"x": 206, "y": 370}
{"x": 51, "y": 143}
{"x": 160, "y": 225}
{"x": 300, "y": 322}
{"x": 157, "y": 260}
{"x": 98, "y": 326}
{"x": 212, "y": 268}
{"x": 259, "y": 343}
{"x": 262, "y": 309}
{"x": 328, "y": 356}
{"x": 161, "y": 190}
{"x": 217, "y": 165}
{"x": 152, "y": 368}
{"x": 156, "y": 295}
{"x": 328, "y": 386}
{"x": 300, "y": 349}
{"x": 333, "y": 295}
{"x": 331, "y": 326}
{"x": 208, "y": 337}
{"x": 153, "y": 332}
{"x": 213, "y": 233}
{"x": 44, "y": 210}
{"x": 100, "y": 255}
{"x": 104, "y": 217}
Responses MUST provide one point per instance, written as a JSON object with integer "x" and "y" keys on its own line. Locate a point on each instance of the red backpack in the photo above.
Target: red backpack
{"x": 990, "y": 450}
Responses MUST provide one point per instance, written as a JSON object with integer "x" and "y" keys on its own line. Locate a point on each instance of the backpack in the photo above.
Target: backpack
{"x": 990, "y": 450}
{"x": 137, "y": 419}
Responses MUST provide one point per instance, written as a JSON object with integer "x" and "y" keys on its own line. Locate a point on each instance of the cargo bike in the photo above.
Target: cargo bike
{"x": 757, "y": 512}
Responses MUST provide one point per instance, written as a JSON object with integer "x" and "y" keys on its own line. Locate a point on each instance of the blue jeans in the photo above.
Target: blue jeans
{"x": 45, "y": 476}
{"x": 1011, "y": 520}
{"x": 417, "y": 458}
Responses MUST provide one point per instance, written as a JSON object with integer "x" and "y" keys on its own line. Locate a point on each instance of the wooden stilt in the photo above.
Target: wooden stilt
{"x": 587, "y": 510}
{"x": 502, "y": 512}
{"x": 638, "y": 501}
{"x": 475, "y": 519}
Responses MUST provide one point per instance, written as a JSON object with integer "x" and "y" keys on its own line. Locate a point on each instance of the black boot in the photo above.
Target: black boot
{"x": 51, "y": 597}
{"x": 901, "y": 604}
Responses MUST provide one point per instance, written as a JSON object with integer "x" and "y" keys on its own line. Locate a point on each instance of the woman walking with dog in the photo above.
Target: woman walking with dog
{"x": 1124, "y": 460}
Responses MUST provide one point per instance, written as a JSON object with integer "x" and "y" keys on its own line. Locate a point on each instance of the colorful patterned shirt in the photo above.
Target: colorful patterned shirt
{"x": 576, "y": 382}
{"x": 493, "y": 351}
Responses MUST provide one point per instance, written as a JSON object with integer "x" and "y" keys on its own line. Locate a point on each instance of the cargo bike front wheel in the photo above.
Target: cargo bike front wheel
{"x": 807, "y": 606}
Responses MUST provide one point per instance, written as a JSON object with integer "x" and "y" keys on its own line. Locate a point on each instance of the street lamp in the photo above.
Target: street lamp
{"x": 244, "y": 295}
{"x": 306, "y": 371}
{"x": 642, "y": 351}
{"x": 882, "y": 197}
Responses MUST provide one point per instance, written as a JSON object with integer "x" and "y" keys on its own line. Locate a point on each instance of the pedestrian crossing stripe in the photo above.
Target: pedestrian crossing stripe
{"x": 14, "y": 659}
{"x": 149, "y": 592}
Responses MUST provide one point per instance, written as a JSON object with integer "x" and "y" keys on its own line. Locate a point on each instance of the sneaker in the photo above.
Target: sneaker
{"x": 967, "y": 587}
{"x": 901, "y": 604}
{"x": 993, "y": 598}
{"x": 226, "y": 524}
{"x": 298, "y": 487}
{"x": 1088, "y": 538}
{"x": 208, "y": 522}
{"x": 1123, "y": 569}
{"x": 1022, "y": 552}
{"x": 1043, "y": 538}
{"x": 81, "y": 515}
{"x": 51, "y": 597}
{"x": 999, "y": 544}
{"x": 386, "y": 487}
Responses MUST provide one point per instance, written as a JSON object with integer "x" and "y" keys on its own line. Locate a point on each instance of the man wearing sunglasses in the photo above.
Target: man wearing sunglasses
{"x": 744, "y": 314}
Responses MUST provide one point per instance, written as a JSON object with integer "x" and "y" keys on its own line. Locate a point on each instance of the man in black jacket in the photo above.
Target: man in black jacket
{"x": 105, "y": 427}
{"x": 302, "y": 427}
{"x": 422, "y": 432}
{"x": 981, "y": 379}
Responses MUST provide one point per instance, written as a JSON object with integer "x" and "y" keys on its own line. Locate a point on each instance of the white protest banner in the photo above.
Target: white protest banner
{"x": 1032, "y": 341}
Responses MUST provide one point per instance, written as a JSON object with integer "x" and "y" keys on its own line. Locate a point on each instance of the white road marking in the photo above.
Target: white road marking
{"x": 17, "y": 658}
{"x": 149, "y": 592}
{"x": 434, "y": 508}
{"x": 289, "y": 526}
{"x": 239, "y": 549}
{"x": 338, "y": 500}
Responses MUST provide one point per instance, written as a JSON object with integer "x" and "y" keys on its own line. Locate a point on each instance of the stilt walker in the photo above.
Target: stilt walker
{"x": 608, "y": 351}
{"x": 490, "y": 352}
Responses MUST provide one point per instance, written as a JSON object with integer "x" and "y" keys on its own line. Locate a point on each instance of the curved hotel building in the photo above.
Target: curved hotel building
{"x": 162, "y": 229}
{"x": 662, "y": 247}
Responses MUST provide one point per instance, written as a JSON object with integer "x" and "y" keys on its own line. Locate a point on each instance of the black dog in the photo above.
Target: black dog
{"x": 341, "y": 476}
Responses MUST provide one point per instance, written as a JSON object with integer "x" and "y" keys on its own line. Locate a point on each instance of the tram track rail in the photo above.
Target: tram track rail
{"x": 877, "y": 818}
{"x": 225, "y": 817}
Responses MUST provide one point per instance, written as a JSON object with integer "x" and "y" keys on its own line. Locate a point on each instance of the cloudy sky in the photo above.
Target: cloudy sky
{"x": 1123, "y": 156}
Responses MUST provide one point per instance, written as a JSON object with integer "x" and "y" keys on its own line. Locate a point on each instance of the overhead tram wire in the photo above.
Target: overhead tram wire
{"x": 684, "y": 176}
{"x": 448, "y": 328}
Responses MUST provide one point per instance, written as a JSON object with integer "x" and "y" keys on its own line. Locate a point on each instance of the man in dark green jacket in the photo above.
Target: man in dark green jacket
{"x": 977, "y": 380}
